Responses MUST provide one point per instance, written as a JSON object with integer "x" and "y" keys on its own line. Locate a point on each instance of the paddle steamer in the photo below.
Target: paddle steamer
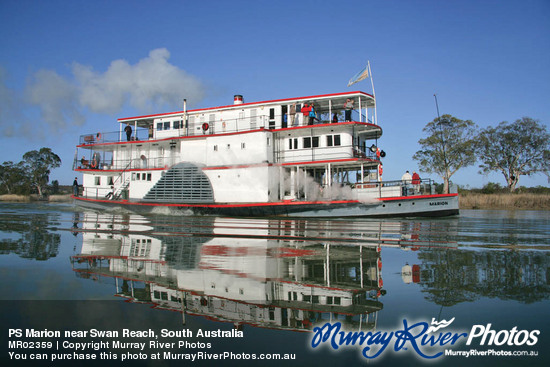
{"x": 268, "y": 158}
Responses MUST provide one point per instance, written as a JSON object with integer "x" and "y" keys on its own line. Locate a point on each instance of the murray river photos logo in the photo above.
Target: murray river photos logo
{"x": 428, "y": 341}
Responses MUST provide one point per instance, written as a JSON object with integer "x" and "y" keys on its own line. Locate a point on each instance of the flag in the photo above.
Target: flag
{"x": 362, "y": 75}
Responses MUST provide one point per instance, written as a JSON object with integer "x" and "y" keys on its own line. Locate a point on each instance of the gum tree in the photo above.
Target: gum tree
{"x": 449, "y": 146}
{"x": 515, "y": 149}
{"x": 39, "y": 165}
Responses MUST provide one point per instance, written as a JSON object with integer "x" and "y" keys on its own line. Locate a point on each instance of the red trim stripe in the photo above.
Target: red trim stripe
{"x": 171, "y": 138}
{"x": 335, "y": 124}
{"x": 278, "y": 203}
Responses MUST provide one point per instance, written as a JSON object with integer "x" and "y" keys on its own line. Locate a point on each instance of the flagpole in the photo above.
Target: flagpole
{"x": 373, "y": 93}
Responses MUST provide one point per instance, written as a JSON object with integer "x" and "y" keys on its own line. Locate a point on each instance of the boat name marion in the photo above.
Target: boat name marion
{"x": 434, "y": 203}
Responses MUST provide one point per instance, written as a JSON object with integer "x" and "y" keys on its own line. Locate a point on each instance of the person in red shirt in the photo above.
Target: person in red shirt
{"x": 416, "y": 182}
{"x": 306, "y": 109}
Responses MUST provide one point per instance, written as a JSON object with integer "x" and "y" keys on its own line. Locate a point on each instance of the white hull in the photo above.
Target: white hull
{"x": 422, "y": 205}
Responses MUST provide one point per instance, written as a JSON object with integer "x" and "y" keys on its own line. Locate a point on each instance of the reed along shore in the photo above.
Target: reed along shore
{"x": 508, "y": 201}
{"x": 31, "y": 198}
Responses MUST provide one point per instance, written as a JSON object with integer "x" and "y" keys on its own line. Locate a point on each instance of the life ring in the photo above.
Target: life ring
{"x": 205, "y": 126}
{"x": 380, "y": 283}
{"x": 378, "y": 152}
{"x": 380, "y": 170}
{"x": 224, "y": 125}
{"x": 95, "y": 160}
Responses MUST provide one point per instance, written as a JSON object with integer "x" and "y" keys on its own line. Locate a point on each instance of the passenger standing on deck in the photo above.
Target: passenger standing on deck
{"x": 128, "y": 130}
{"x": 312, "y": 115}
{"x": 407, "y": 179}
{"x": 292, "y": 114}
{"x": 348, "y": 107}
{"x": 75, "y": 187}
{"x": 305, "y": 110}
{"x": 416, "y": 182}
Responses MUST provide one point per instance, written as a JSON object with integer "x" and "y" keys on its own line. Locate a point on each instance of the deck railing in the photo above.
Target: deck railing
{"x": 197, "y": 128}
{"x": 395, "y": 188}
{"x": 126, "y": 164}
{"x": 324, "y": 153}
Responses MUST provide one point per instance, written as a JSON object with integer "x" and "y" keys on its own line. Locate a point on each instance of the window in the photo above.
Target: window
{"x": 148, "y": 177}
{"x": 243, "y": 146}
{"x": 215, "y": 148}
{"x": 311, "y": 142}
{"x": 177, "y": 124}
{"x": 110, "y": 180}
{"x": 97, "y": 180}
{"x": 293, "y": 143}
{"x": 333, "y": 140}
{"x": 166, "y": 125}
{"x": 159, "y": 126}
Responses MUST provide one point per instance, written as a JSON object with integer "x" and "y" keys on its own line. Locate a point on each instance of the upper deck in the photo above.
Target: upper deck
{"x": 275, "y": 115}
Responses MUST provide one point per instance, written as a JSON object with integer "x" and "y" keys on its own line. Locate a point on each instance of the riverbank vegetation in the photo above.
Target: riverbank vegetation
{"x": 494, "y": 196}
{"x": 12, "y": 198}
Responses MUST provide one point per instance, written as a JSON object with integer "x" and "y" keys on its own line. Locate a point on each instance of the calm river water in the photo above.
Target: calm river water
{"x": 123, "y": 289}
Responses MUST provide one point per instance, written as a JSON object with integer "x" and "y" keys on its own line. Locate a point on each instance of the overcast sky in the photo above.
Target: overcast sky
{"x": 73, "y": 67}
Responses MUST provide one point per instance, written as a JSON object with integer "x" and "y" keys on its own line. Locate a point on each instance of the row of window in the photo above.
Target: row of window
{"x": 313, "y": 142}
{"x": 314, "y": 299}
{"x": 178, "y": 124}
{"x": 136, "y": 176}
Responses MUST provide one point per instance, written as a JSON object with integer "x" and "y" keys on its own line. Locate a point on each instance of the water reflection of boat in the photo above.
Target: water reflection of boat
{"x": 259, "y": 280}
